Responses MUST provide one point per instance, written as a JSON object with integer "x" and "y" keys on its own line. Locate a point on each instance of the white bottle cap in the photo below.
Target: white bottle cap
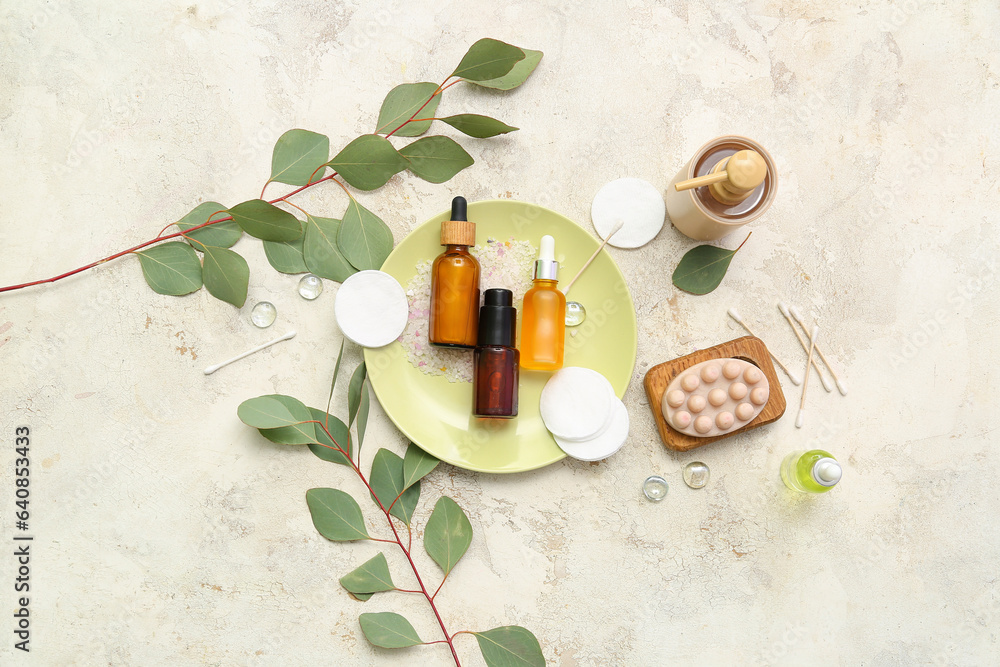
{"x": 547, "y": 251}
{"x": 546, "y": 267}
{"x": 827, "y": 472}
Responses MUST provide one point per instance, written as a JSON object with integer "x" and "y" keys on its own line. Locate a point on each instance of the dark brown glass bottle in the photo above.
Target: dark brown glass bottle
{"x": 495, "y": 361}
{"x": 454, "y": 310}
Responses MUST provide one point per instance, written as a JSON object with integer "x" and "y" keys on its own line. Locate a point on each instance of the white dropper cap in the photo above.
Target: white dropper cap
{"x": 547, "y": 251}
{"x": 827, "y": 471}
{"x": 546, "y": 266}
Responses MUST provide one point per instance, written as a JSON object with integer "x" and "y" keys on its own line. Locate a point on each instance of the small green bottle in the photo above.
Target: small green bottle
{"x": 813, "y": 471}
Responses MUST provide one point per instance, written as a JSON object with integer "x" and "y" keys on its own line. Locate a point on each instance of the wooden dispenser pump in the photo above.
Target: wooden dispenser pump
{"x": 732, "y": 179}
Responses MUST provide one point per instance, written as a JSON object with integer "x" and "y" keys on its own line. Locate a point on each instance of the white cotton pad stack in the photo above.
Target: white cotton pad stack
{"x": 371, "y": 308}
{"x": 636, "y": 203}
{"x": 585, "y": 417}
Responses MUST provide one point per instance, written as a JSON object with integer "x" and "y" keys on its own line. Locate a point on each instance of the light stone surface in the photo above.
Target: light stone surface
{"x": 167, "y": 532}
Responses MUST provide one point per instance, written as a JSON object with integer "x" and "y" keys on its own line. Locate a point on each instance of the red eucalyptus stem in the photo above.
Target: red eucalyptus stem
{"x": 157, "y": 239}
{"x": 115, "y": 256}
{"x": 399, "y": 542}
{"x": 741, "y": 245}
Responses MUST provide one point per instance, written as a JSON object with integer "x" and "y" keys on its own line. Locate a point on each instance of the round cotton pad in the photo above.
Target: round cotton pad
{"x": 612, "y": 397}
{"x": 636, "y": 203}
{"x": 603, "y": 445}
{"x": 371, "y": 308}
{"x": 575, "y": 403}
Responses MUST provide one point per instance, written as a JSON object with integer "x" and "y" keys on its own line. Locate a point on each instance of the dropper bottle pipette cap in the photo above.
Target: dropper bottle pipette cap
{"x": 546, "y": 266}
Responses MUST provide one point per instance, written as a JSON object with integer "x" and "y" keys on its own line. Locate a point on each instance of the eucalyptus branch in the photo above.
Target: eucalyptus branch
{"x": 367, "y": 163}
{"x": 394, "y": 486}
{"x": 398, "y": 541}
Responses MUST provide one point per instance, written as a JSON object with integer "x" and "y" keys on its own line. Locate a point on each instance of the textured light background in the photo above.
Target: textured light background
{"x": 169, "y": 533}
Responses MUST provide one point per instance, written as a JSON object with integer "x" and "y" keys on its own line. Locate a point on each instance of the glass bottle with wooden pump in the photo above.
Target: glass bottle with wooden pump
{"x": 454, "y": 311}
{"x": 729, "y": 182}
{"x": 543, "y": 317}
{"x": 495, "y": 360}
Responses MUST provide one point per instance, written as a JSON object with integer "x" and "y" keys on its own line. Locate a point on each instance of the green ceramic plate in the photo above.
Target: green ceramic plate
{"x": 437, "y": 414}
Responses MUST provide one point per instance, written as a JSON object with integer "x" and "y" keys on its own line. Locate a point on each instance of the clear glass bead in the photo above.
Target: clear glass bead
{"x": 575, "y": 313}
{"x": 310, "y": 286}
{"x": 655, "y": 488}
{"x": 263, "y": 314}
{"x": 696, "y": 474}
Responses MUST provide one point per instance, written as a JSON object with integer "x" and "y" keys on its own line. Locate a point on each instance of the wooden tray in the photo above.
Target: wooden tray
{"x": 748, "y": 348}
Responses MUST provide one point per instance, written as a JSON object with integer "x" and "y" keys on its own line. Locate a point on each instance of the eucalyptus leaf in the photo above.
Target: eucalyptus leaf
{"x": 416, "y": 465}
{"x": 286, "y": 256}
{"x": 354, "y": 392}
{"x": 510, "y": 646}
{"x": 363, "y": 239}
{"x": 402, "y": 103}
{"x": 363, "y": 414}
{"x": 297, "y": 155}
{"x": 336, "y": 515}
{"x": 289, "y": 435}
{"x": 226, "y": 275}
{"x": 478, "y": 126}
{"x": 388, "y": 630}
{"x": 436, "y": 159}
{"x": 518, "y": 75}
{"x": 448, "y": 533}
{"x": 362, "y": 597}
{"x": 372, "y": 577}
{"x": 266, "y": 221}
{"x": 221, "y": 234}
{"x": 338, "y": 430}
{"x": 488, "y": 59}
{"x": 386, "y": 480}
{"x": 320, "y": 251}
{"x": 702, "y": 268}
{"x": 272, "y": 411}
{"x": 171, "y": 268}
{"x": 368, "y": 162}
{"x": 336, "y": 372}
{"x": 302, "y": 432}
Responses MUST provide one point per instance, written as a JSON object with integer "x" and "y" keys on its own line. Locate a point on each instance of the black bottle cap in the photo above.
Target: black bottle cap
{"x": 497, "y": 318}
{"x": 459, "y": 209}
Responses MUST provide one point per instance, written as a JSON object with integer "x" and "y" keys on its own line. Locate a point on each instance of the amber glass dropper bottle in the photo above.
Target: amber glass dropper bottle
{"x": 543, "y": 317}
{"x": 454, "y": 312}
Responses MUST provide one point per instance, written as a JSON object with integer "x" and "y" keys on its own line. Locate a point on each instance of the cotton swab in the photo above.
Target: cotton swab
{"x": 840, "y": 386}
{"x": 212, "y": 369}
{"x": 805, "y": 384}
{"x": 791, "y": 376}
{"x": 822, "y": 378}
{"x": 614, "y": 230}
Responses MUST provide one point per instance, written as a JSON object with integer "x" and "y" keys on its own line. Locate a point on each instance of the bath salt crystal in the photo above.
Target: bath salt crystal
{"x": 371, "y": 308}
{"x": 503, "y": 264}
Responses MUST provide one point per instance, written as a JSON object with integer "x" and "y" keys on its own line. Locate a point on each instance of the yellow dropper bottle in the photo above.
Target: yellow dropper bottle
{"x": 543, "y": 315}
